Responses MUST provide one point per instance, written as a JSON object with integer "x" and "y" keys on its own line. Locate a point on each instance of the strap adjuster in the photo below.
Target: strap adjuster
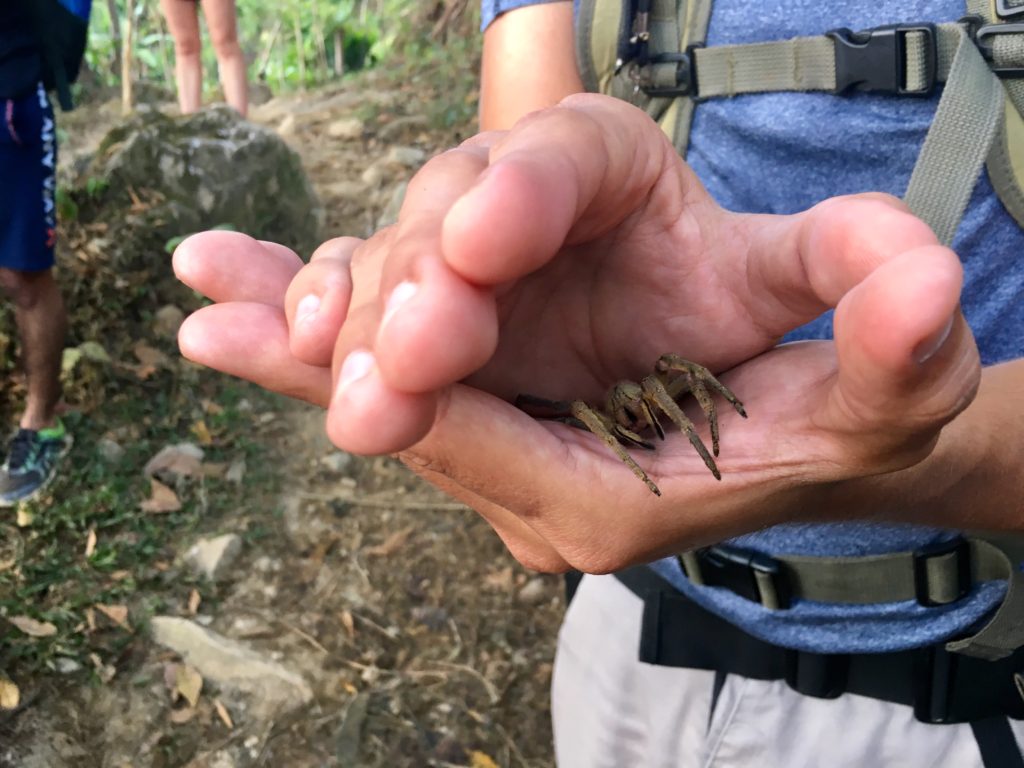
{"x": 1006, "y": 11}
{"x": 932, "y": 585}
{"x": 756, "y": 577}
{"x": 983, "y": 39}
{"x": 875, "y": 59}
{"x": 685, "y": 75}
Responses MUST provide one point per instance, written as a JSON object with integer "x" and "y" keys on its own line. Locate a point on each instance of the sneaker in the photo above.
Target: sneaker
{"x": 31, "y": 463}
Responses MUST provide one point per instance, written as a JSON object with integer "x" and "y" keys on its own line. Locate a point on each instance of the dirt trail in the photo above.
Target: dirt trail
{"x": 422, "y": 642}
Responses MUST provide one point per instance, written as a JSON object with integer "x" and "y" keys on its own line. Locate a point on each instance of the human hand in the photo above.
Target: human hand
{"x": 574, "y": 251}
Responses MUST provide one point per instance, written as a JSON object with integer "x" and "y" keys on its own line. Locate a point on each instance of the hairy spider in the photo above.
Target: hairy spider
{"x": 629, "y": 408}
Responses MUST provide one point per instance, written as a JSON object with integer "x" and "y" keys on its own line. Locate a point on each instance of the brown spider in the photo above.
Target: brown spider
{"x": 629, "y": 408}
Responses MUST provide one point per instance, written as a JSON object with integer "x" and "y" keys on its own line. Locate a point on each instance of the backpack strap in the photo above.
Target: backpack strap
{"x": 933, "y": 576}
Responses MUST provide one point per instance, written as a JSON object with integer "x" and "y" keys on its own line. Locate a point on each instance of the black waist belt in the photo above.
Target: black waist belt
{"x": 942, "y": 687}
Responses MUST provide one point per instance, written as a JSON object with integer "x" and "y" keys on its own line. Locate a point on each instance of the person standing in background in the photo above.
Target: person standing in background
{"x": 28, "y": 162}
{"x": 183, "y": 21}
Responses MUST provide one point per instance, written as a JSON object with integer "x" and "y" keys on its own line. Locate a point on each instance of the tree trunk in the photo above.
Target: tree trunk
{"x": 115, "y": 26}
{"x": 300, "y": 51}
{"x": 127, "y": 94}
{"x": 339, "y": 52}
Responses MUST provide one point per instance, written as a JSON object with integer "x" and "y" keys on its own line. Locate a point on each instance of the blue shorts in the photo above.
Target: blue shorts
{"x": 28, "y": 180}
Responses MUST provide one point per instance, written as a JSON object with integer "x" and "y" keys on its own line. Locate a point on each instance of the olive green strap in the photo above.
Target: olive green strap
{"x": 938, "y": 578}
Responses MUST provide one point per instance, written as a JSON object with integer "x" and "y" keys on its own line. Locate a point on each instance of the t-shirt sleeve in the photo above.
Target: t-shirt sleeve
{"x": 491, "y": 9}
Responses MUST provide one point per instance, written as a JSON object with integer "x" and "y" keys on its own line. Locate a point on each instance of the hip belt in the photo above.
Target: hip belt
{"x": 941, "y": 686}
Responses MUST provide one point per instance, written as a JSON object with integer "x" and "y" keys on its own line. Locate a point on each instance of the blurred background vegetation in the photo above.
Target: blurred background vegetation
{"x": 290, "y": 44}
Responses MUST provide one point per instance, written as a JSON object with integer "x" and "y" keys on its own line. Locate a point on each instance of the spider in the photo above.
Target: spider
{"x": 629, "y": 408}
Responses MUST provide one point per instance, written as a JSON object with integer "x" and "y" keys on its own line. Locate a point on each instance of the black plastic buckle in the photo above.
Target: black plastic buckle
{"x": 1006, "y": 11}
{"x": 822, "y": 676}
{"x": 751, "y": 575}
{"x": 983, "y": 39}
{"x": 875, "y": 59}
{"x": 686, "y": 74}
{"x": 934, "y": 676}
{"x": 961, "y": 552}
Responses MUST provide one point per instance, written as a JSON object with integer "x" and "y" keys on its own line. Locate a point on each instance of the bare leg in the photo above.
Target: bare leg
{"x": 42, "y": 324}
{"x": 223, "y": 26}
{"x": 183, "y": 23}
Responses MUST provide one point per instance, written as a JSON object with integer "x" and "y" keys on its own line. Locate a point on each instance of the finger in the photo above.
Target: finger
{"x": 367, "y": 416}
{"x": 317, "y": 301}
{"x": 907, "y": 360}
{"x": 231, "y": 266}
{"x": 562, "y": 175}
{"x": 525, "y": 544}
{"x": 796, "y": 267}
{"x": 250, "y": 340}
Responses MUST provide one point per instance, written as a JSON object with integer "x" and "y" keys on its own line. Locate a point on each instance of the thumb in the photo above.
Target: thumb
{"x": 908, "y": 362}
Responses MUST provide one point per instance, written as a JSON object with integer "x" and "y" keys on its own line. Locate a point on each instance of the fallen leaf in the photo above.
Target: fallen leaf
{"x": 116, "y": 613}
{"x": 149, "y": 356}
{"x": 188, "y": 683}
{"x": 478, "y": 759}
{"x": 202, "y": 432}
{"x": 10, "y": 696}
{"x": 33, "y": 628}
{"x": 499, "y": 580}
{"x": 391, "y": 545}
{"x": 236, "y": 472}
{"x": 348, "y": 622}
{"x": 223, "y": 714}
{"x": 24, "y": 518}
{"x": 90, "y": 619}
{"x": 162, "y": 499}
{"x": 211, "y": 407}
{"x": 181, "y": 460}
{"x": 105, "y": 672}
{"x": 214, "y": 469}
{"x": 6, "y": 565}
{"x": 90, "y": 543}
{"x": 194, "y": 599}
{"x": 182, "y": 716}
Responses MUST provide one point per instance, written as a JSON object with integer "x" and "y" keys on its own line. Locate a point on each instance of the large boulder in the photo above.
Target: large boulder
{"x": 206, "y": 170}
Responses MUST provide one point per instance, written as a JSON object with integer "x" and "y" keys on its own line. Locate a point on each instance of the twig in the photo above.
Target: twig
{"x": 304, "y": 635}
{"x": 492, "y": 692}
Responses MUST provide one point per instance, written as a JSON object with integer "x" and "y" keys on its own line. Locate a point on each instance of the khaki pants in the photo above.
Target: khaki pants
{"x": 611, "y": 711}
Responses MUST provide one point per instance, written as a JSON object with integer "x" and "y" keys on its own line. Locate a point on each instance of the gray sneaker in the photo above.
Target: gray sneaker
{"x": 31, "y": 463}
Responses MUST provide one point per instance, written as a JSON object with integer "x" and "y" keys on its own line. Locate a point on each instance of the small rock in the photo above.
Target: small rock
{"x": 167, "y": 321}
{"x": 213, "y": 557}
{"x": 346, "y": 189}
{"x": 66, "y": 666}
{"x": 373, "y": 176}
{"x": 346, "y": 128}
{"x": 408, "y": 157}
{"x": 338, "y": 461}
{"x": 110, "y": 450}
{"x": 533, "y": 592}
{"x": 272, "y": 688}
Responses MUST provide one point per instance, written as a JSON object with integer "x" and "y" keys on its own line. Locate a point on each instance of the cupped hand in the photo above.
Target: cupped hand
{"x": 572, "y": 252}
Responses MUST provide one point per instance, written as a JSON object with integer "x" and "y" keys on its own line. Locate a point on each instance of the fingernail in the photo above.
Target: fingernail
{"x": 399, "y": 296}
{"x": 356, "y": 366}
{"x": 306, "y": 308}
{"x": 927, "y": 348}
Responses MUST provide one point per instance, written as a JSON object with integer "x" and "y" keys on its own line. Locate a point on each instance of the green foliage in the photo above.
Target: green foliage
{"x": 289, "y": 43}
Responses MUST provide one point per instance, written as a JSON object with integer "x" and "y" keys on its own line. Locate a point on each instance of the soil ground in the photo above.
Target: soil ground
{"x": 423, "y": 641}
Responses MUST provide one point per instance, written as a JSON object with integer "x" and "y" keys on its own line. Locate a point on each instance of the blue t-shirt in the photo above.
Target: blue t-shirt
{"x": 784, "y": 152}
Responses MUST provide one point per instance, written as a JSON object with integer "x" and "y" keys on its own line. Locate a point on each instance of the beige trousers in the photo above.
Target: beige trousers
{"x": 611, "y": 711}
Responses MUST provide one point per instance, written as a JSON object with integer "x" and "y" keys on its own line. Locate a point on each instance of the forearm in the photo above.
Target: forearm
{"x": 974, "y": 479}
{"x": 529, "y": 63}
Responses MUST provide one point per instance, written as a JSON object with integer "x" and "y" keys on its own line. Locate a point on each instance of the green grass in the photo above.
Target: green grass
{"x": 44, "y": 571}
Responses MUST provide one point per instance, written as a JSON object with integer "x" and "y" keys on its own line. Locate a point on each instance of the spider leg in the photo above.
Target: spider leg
{"x": 541, "y": 407}
{"x": 694, "y": 372}
{"x": 655, "y": 389}
{"x": 601, "y": 427}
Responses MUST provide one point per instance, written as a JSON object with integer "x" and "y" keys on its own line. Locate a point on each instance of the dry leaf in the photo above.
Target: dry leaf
{"x": 105, "y": 672}
{"x": 33, "y": 628}
{"x": 10, "y": 696}
{"x": 149, "y": 356}
{"x": 223, "y": 714}
{"x": 194, "y": 599}
{"x": 24, "y": 517}
{"x": 90, "y": 543}
{"x": 182, "y": 716}
{"x": 116, "y": 613}
{"x": 212, "y": 408}
{"x": 348, "y": 622}
{"x": 478, "y": 759}
{"x": 90, "y": 619}
{"x": 499, "y": 580}
{"x": 6, "y": 565}
{"x": 391, "y": 545}
{"x": 182, "y": 460}
{"x": 202, "y": 432}
{"x": 162, "y": 499}
{"x": 187, "y": 683}
{"x": 214, "y": 469}
{"x": 144, "y": 372}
